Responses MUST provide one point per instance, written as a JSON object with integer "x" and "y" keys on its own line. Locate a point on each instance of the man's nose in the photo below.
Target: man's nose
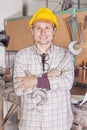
{"x": 43, "y": 31}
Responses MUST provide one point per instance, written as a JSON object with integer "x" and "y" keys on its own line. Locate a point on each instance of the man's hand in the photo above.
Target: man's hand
{"x": 27, "y": 81}
{"x": 54, "y": 73}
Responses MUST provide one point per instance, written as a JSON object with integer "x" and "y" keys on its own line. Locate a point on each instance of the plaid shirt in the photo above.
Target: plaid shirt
{"x": 56, "y": 113}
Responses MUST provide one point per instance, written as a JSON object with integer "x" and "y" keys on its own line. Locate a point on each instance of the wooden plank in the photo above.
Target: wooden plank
{"x": 1, "y": 114}
{"x": 9, "y": 95}
{"x": 21, "y": 36}
{"x": 78, "y": 90}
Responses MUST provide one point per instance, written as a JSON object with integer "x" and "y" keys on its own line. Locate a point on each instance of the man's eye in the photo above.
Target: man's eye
{"x": 48, "y": 28}
{"x": 37, "y": 28}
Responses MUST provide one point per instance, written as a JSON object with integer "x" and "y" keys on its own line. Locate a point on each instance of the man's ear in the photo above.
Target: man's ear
{"x": 32, "y": 31}
{"x": 54, "y": 31}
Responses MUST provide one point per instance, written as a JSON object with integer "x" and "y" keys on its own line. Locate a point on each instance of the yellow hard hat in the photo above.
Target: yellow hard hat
{"x": 44, "y": 14}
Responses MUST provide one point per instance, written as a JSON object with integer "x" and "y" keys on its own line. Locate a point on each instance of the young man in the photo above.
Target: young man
{"x": 43, "y": 77}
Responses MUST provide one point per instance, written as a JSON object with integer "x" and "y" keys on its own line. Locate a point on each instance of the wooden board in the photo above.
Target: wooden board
{"x": 21, "y": 37}
{"x": 81, "y": 59}
{"x": 83, "y": 55}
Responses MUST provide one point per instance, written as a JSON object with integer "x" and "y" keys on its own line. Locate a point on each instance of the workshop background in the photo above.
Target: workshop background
{"x": 18, "y": 8}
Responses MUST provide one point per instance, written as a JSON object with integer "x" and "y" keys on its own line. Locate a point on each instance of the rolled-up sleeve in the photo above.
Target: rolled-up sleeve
{"x": 43, "y": 82}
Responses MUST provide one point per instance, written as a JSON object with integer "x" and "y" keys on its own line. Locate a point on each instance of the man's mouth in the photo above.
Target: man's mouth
{"x": 43, "y": 38}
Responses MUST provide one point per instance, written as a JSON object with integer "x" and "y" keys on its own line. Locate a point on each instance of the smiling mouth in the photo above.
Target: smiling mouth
{"x": 43, "y": 38}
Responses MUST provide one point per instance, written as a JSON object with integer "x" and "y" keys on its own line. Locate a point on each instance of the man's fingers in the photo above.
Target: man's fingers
{"x": 27, "y": 73}
{"x": 18, "y": 78}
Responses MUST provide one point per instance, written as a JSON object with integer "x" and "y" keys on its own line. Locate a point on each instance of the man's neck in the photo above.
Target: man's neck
{"x": 43, "y": 48}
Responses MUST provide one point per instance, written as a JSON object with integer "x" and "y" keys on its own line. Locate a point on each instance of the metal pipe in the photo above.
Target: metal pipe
{"x": 46, "y": 3}
{"x": 78, "y": 4}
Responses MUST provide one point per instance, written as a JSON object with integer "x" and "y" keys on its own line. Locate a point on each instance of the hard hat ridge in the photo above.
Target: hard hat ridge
{"x": 44, "y": 14}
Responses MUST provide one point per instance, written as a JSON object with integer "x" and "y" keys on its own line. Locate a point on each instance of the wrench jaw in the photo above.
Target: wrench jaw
{"x": 74, "y": 51}
{"x": 41, "y": 93}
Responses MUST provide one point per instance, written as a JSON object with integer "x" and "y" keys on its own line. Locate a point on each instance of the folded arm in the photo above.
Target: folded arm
{"x": 55, "y": 78}
{"x": 66, "y": 78}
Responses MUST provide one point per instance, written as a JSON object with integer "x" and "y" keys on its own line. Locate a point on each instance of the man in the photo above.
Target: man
{"x": 43, "y": 77}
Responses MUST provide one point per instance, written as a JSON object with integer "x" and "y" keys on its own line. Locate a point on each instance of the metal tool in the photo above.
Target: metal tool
{"x": 11, "y": 110}
{"x": 38, "y": 92}
{"x": 79, "y": 25}
{"x": 66, "y": 4}
{"x": 72, "y": 49}
{"x": 85, "y": 22}
{"x": 74, "y": 42}
{"x": 4, "y": 38}
{"x": 84, "y": 100}
{"x": 84, "y": 72}
{"x": 63, "y": 61}
{"x": 70, "y": 20}
{"x": 3, "y": 43}
{"x": 42, "y": 94}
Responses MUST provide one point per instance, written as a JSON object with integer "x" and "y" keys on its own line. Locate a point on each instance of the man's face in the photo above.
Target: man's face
{"x": 43, "y": 32}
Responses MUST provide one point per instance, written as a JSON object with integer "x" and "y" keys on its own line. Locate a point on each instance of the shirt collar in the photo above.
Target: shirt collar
{"x": 50, "y": 50}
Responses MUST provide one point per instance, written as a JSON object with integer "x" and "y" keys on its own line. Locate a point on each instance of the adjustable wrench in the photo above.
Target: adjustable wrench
{"x": 42, "y": 94}
{"x": 74, "y": 42}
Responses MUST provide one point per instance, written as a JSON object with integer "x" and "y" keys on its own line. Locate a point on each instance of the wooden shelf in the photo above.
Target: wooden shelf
{"x": 78, "y": 90}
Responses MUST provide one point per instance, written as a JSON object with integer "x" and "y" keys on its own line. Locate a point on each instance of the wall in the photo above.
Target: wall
{"x": 9, "y": 8}
{"x": 55, "y": 5}
{"x": 33, "y": 5}
{"x": 16, "y": 8}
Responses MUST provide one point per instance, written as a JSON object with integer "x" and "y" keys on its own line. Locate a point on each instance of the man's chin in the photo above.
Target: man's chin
{"x": 44, "y": 43}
